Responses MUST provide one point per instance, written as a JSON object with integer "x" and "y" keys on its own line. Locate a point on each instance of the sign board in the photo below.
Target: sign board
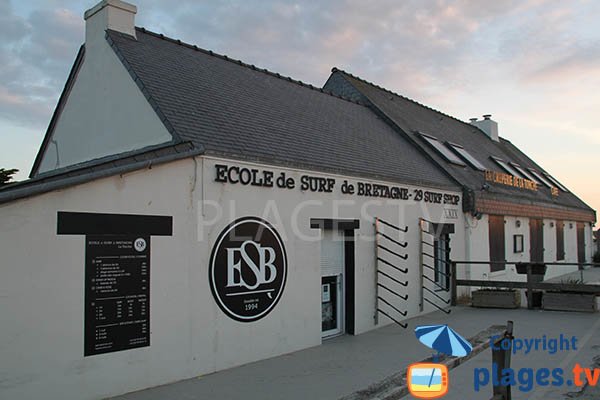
{"x": 248, "y": 269}
{"x": 117, "y": 276}
{"x": 233, "y": 174}
{"x": 117, "y": 293}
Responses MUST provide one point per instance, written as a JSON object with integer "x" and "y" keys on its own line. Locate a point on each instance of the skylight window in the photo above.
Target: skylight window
{"x": 556, "y": 183}
{"x": 465, "y": 155}
{"x": 512, "y": 171}
{"x": 541, "y": 178}
{"x": 443, "y": 150}
{"x": 524, "y": 173}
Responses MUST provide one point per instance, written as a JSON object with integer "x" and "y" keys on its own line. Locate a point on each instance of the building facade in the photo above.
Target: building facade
{"x": 188, "y": 213}
{"x": 514, "y": 210}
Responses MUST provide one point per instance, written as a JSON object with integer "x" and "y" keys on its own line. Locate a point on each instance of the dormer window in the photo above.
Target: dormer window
{"x": 466, "y": 156}
{"x": 540, "y": 178}
{"x": 442, "y": 150}
{"x": 556, "y": 183}
{"x": 504, "y": 165}
{"x": 524, "y": 173}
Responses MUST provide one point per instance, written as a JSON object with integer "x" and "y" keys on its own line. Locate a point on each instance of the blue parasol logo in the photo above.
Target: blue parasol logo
{"x": 443, "y": 339}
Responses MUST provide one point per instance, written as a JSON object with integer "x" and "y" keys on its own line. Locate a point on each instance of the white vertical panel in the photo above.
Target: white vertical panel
{"x": 332, "y": 253}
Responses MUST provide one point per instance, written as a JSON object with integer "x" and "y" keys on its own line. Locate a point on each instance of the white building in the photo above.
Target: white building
{"x": 515, "y": 211}
{"x": 189, "y": 213}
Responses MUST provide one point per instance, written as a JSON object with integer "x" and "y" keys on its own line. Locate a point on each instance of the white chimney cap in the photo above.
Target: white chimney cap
{"x": 113, "y": 3}
{"x": 488, "y": 126}
{"x": 116, "y": 15}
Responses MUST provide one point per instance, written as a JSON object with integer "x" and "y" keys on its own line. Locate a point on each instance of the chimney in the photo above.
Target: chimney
{"x": 488, "y": 126}
{"x": 109, "y": 14}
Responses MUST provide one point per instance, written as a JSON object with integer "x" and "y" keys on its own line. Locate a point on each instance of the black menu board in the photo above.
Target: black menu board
{"x": 117, "y": 293}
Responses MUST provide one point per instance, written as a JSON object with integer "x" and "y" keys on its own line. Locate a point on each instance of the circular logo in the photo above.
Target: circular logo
{"x": 248, "y": 269}
{"x": 139, "y": 244}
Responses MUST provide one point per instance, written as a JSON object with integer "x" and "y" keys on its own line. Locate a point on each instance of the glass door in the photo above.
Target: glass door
{"x": 331, "y": 310}
{"x": 332, "y": 283}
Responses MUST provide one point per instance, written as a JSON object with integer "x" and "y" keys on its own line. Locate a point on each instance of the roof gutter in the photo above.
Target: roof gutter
{"x": 18, "y": 192}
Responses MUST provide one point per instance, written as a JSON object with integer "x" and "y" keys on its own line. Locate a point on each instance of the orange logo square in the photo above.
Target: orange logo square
{"x": 427, "y": 380}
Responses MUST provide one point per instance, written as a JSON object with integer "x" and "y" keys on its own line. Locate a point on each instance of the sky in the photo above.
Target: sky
{"x": 533, "y": 64}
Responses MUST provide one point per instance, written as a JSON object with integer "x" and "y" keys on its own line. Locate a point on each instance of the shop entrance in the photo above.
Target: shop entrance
{"x": 332, "y": 283}
{"x": 337, "y": 275}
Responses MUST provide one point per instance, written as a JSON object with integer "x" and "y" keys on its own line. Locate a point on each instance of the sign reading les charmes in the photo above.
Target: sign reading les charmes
{"x": 248, "y": 269}
{"x": 267, "y": 178}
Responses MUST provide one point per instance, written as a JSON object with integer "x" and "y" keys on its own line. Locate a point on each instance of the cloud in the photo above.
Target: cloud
{"x": 415, "y": 47}
{"x": 12, "y": 27}
{"x": 571, "y": 63}
{"x": 419, "y": 48}
{"x": 34, "y": 61}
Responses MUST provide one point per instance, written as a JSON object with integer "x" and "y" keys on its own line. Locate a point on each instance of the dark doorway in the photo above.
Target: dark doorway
{"x": 497, "y": 243}
{"x": 349, "y": 278}
{"x": 536, "y": 240}
{"x": 580, "y": 242}
{"x": 340, "y": 301}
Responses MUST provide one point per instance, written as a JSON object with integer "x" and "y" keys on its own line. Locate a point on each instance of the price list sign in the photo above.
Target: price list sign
{"x": 117, "y": 293}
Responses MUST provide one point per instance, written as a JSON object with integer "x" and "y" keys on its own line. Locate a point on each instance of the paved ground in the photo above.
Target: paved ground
{"x": 345, "y": 364}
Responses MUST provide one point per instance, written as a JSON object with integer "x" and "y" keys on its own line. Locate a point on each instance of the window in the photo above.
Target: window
{"x": 560, "y": 240}
{"x": 441, "y": 253}
{"x": 465, "y": 155}
{"x": 524, "y": 173}
{"x": 540, "y": 178}
{"x": 556, "y": 183}
{"x": 442, "y": 150}
{"x": 517, "y": 243}
{"x": 497, "y": 244}
{"x": 506, "y": 167}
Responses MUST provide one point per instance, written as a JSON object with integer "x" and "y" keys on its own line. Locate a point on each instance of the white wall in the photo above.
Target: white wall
{"x": 289, "y": 209}
{"x": 570, "y": 241}
{"x": 105, "y": 112}
{"x": 549, "y": 229}
{"x": 479, "y": 247}
{"x": 42, "y": 289}
{"x": 589, "y": 242}
{"x": 550, "y": 253}
{"x": 42, "y": 279}
{"x": 511, "y": 229}
{"x": 478, "y": 235}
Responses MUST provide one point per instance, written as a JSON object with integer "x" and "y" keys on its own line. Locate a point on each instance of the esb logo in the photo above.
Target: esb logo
{"x": 248, "y": 269}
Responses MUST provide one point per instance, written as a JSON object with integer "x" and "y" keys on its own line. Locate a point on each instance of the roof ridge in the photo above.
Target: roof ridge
{"x": 335, "y": 69}
{"x": 250, "y": 66}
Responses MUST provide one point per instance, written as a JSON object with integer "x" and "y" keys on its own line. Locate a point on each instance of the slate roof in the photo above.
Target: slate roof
{"x": 411, "y": 117}
{"x": 236, "y": 110}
